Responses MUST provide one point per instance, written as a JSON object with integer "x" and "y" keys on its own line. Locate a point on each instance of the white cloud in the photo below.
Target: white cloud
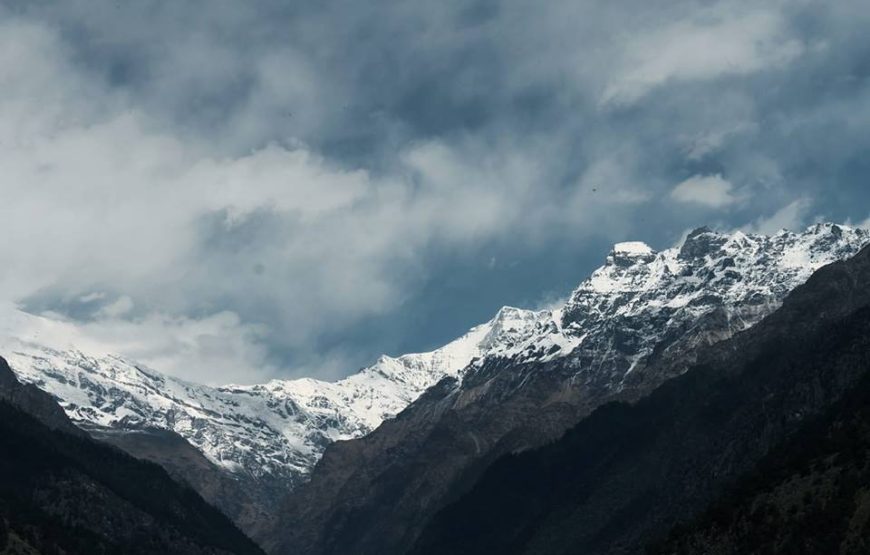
{"x": 550, "y": 301}
{"x": 206, "y": 350}
{"x": 701, "y": 48}
{"x": 186, "y": 166}
{"x": 711, "y": 141}
{"x": 792, "y": 216}
{"x": 863, "y": 224}
{"x": 117, "y": 309}
{"x": 212, "y": 349}
{"x": 91, "y": 297}
{"x": 274, "y": 247}
{"x": 707, "y": 190}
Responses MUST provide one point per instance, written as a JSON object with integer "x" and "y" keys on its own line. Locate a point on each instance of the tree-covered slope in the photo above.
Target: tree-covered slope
{"x": 810, "y": 496}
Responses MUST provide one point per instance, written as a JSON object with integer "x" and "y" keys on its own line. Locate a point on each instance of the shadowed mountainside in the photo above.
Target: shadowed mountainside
{"x": 636, "y": 322}
{"x": 628, "y": 473}
{"x": 63, "y": 492}
{"x": 810, "y": 496}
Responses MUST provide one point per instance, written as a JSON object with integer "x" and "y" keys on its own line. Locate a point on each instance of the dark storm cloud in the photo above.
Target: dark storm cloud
{"x": 346, "y": 178}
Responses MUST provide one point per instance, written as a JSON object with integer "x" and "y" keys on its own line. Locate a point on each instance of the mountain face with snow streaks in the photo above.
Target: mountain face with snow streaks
{"x": 261, "y": 440}
{"x": 764, "y": 441}
{"x": 276, "y": 428}
{"x": 642, "y": 309}
{"x": 636, "y": 322}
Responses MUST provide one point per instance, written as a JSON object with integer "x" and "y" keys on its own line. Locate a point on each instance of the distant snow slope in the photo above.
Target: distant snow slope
{"x": 279, "y": 429}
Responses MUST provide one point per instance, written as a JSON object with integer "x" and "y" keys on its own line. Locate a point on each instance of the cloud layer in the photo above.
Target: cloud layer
{"x": 230, "y": 192}
{"x": 706, "y": 190}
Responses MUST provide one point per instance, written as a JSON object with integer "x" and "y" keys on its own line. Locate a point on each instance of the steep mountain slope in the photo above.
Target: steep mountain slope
{"x": 246, "y": 501}
{"x": 38, "y": 404}
{"x": 65, "y": 493}
{"x": 810, "y": 496}
{"x": 635, "y": 323}
{"x": 257, "y": 441}
{"x": 628, "y": 472}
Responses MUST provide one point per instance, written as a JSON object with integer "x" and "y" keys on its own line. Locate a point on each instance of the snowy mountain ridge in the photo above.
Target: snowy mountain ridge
{"x": 640, "y": 320}
{"x": 641, "y": 297}
{"x": 278, "y": 430}
{"x": 275, "y": 429}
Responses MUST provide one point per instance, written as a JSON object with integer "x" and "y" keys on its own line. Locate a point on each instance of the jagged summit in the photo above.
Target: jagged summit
{"x": 629, "y": 253}
{"x": 633, "y": 248}
{"x": 741, "y": 275}
{"x": 700, "y": 242}
{"x": 278, "y": 430}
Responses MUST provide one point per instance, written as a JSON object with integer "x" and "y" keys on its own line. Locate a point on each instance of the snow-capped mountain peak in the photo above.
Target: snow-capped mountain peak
{"x": 640, "y": 296}
{"x": 278, "y": 430}
{"x": 629, "y": 250}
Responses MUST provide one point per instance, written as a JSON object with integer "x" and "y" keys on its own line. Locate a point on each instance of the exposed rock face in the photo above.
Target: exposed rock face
{"x": 625, "y": 475}
{"x": 636, "y": 322}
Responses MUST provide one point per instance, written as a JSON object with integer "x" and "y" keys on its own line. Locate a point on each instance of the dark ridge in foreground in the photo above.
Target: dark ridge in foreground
{"x": 627, "y": 474}
{"x": 62, "y": 492}
{"x": 242, "y": 500}
{"x": 810, "y": 496}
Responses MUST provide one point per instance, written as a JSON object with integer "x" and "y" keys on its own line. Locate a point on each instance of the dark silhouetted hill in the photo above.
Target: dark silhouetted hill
{"x": 62, "y": 492}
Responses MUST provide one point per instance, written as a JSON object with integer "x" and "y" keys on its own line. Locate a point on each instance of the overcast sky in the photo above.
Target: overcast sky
{"x": 238, "y": 190}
